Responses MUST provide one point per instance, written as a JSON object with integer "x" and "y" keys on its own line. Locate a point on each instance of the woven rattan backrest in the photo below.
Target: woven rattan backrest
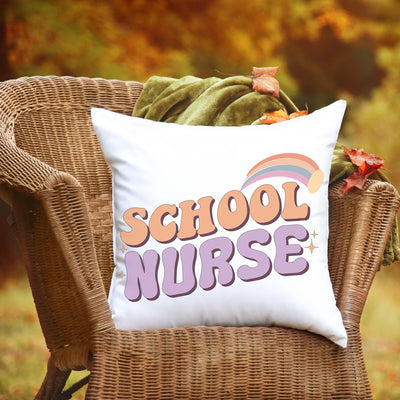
{"x": 53, "y": 125}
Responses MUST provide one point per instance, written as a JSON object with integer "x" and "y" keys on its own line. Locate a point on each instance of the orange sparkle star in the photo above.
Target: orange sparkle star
{"x": 312, "y": 247}
{"x": 314, "y": 234}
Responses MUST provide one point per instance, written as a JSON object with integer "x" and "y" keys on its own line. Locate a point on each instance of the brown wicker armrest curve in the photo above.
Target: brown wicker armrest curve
{"x": 360, "y": 223}
{"x": 38, "y": 191}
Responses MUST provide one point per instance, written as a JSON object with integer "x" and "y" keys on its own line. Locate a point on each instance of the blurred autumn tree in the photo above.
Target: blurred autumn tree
{"x": 325, "y": 49}
{"x": 322, "y": 46}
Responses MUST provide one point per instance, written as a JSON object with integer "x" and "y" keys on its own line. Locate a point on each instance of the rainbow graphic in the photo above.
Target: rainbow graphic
{"x": 291, "y": 165}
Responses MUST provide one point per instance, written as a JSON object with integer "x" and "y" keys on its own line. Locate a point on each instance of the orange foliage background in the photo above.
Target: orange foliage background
{"x": 322, "y": 47}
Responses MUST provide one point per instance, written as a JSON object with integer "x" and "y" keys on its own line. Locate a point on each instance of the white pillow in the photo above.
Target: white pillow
{"x": 257, "y": 253}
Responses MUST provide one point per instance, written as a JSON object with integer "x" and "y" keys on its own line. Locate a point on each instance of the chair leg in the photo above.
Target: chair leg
{"x": 53, "y": 383}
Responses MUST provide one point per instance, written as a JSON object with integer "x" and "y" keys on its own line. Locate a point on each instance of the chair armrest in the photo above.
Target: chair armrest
{"x": 62, "y": 199}
{"x": 360, "y": 225}
{"x": 20, "y": 171}
{"x": 24, "y": 173}
{"x": 68, "y": 215}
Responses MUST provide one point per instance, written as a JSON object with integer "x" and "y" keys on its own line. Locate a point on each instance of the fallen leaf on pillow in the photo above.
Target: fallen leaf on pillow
{"x": 275, "y": 116}
{"x": 264, "y": 80}
{"x": 366, "y": 164}
{"x": 280, "y": 115}
{"x": 298, "y": 114}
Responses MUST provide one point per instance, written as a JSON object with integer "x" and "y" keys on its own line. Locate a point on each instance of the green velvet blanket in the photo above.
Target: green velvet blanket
{"x": 230, "y": 102}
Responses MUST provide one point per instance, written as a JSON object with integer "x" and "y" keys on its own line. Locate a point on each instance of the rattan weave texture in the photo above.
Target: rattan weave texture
{"x": 53, "y": 174}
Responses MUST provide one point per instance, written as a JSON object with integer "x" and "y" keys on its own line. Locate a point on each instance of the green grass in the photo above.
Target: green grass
{"x": 380, "y": 326}
{"x": 23, "y": 353}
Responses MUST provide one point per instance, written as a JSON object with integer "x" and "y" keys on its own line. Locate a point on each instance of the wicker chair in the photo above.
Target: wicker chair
{"x": 53, "y": 174}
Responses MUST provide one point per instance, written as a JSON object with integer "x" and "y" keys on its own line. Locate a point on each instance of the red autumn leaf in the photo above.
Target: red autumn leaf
{"x": 358, "y": 157}
{"x": 264, "y": 80}
{"x": 280, "y": 115}
{"x": 366, "y": 165}
{"x": 355, "y": 180}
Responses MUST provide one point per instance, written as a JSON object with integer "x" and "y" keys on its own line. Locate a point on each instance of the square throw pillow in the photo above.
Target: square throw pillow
{"x": 222, "y": 225}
